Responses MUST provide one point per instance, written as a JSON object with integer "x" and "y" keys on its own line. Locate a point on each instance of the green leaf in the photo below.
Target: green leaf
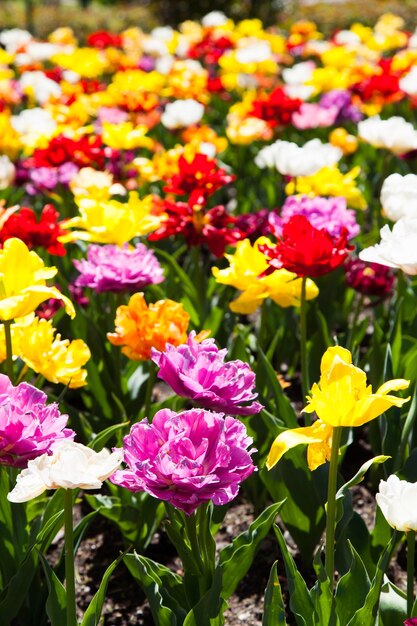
{"x": 163, "y": 588}
{"x": 352, "y": 588}
{"x": 102, "y": 438}
{"x": 56, "y": 604}
{"x": 137, "y": 515}
{"x": 209, "y": 610}
{"x": 300, "y": 601}
{"x": 236, "y": 558}
{"x": 305, "y": 494}
{"x": 357, "y": 478}
{"x": 368, "y": 614}
{"x": 94, "y": 609}
{"x": 274, "y": 611}
{"x": 268, "y": 385}
{"x": 392, "y": 605}
{"x": 17, "y": 590}
{"x": 322, "y": 595}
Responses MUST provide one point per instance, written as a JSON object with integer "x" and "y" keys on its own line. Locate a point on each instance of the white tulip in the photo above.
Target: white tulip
{"x": 254, "y": 52}
{"x": 182, "y": 113}
{"x": 398, "y": 248}
{"x": 35, "y": 121}
{"x": 292, "y": 160}
{"x": 394, "y": 134}
{"x": 7, "y": 172}
{"x": 397, "y": 501}
{"x": 213, "y": 19}
{"x": 299, "y": 73}
{"x": 42, "y": 86}
{"x": 71, "y": 466}
{"x": 399, "y": 196}
{"x": 408, "y": 83}
{"x": 14, "y": 38}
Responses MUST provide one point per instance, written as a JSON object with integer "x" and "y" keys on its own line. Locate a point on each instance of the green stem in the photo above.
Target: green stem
{"x": 305, "y": 376}
{"x": 9, "y": 351}
{"x": 69, "y": 559}
{"x": 149, "y": 389}
{"x": 331, "y": 505}
{"x": 411, "y": 546}
{"x": 358, "y": 309}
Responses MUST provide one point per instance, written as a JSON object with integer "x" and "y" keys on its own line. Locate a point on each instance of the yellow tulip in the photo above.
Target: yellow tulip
{"x": 23, "y": 278}
{"x": 58, "y": 360}
{"x": 341, "y": 398}
{"x": 329, "y": 181}
{"x": 125, "y": 136}
{"x": 246, "y": 265}
{"x": 112, "y": 221}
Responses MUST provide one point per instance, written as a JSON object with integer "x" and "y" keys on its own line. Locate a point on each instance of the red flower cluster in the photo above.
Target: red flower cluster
{"x": 198, "y": 178}
{"x": 370, "y": 279}
{"x": 215, "y": 227}
{"x": 83, "y": 151}
{"x": 102, "y": 39}
{"x": 275, "y": 108}
{"x": 210, "y": 48}
{"x": 35, "y": 234}
{"x": 382, "y": 87}
{"x": 307, "y": 251}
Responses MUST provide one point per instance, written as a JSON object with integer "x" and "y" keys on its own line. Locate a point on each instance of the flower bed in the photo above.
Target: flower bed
{"x": 208, "y": 250}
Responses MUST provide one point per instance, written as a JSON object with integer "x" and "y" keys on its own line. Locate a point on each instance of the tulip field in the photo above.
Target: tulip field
{"x": 208, "y": 324}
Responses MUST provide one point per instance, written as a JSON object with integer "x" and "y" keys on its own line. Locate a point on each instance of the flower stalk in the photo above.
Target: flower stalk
{"x": 411, "y": 546}
{"x": 331, "y": 505}
{"x": 69, "y": 559}
{"x": 305, "y": 376}
{"x": 9, "y": 350}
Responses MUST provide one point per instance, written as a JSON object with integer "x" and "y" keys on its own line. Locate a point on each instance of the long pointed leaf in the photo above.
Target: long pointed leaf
{"x": 274, "y": 610}
{"x": 93, "y": 612}
{"x": 236, "y": 558}
{"x": 300, "y": 602}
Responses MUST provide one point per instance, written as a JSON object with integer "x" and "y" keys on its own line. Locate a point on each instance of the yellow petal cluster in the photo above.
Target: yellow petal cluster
{"x": 329, "y": 181}
{"x": 243, "y": 273}
{"x": 341, "y": 398}
{"x": 23, "y": 277}
{"x": 125, "y": 136}
{"x": 111, "y": 221}
{"x": 58, "y": 360}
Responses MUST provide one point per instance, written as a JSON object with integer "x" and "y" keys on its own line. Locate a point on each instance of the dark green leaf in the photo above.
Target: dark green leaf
{"x": 56, "y": 604}
{"x": 368, "y": 614}
{"x": 274, "y": 611}
{"x": 236, "y": 558}
{"x": 94, "y": 609}
{"x": 163, "y": 588}
{"x": 300, "y": 601}
{"x": 352, "y": 588}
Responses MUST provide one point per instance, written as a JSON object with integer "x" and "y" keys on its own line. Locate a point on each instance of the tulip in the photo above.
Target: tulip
{"x": 396, "y": 499}
{"x": 397, "y": 248}
{"x": 342, "y": 398}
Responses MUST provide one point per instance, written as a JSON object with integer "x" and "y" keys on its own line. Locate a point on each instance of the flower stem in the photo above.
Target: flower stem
{"x": 149, "y": 389}
{"x": 9, "y": 351}
{"x": 305, "y": 376}
{"x": 411, "y": 546}
{"x": 69, "y": 559}
{"x": 331, "y": 505}
{"x": 358, "y": 309}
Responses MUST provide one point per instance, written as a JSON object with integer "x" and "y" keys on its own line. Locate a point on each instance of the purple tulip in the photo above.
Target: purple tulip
{"x": 110, "y": 268}
{"x": 329, "y": 213}
{"x": 187, "y": 458}
{"x": 198, "y": 371}
{"x": 28, "y": 426}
